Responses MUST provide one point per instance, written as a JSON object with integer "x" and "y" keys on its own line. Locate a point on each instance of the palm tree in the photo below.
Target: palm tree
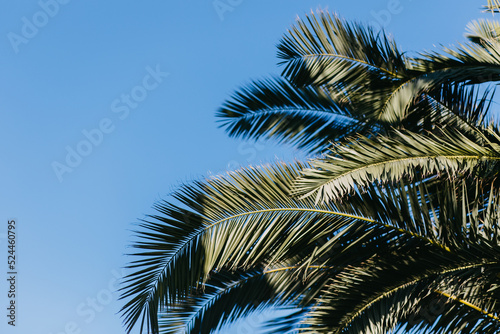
{"x": 392, "y": 225}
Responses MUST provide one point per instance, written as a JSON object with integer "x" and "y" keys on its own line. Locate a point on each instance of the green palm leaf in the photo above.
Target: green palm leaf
{"x": 299, "y": 227}
{"x": 346, "y": 59}
{"x": 242, "y": 221}
{"x": 363, "y": 161}
{"x": 333, "y": 42}
{"x": 376, "y": 299}
{"x": 366, "y": 69}
{"x": 387, "y": 288}
{"x": 227, "y": 296}
{"x": 228, "y": 225}
{"x": 307, "y": 117}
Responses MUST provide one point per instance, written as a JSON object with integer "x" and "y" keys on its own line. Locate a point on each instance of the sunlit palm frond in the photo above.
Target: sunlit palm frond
{"x": 399, "y": 216}
{"x": 388, "y": 159}
{"x": 370, "y": 73}
{"x": 325, "y": 41}
{"x": 351, "y": 60}
{"x": 467, "y": 63}
{"x": 392, "y": 288}
{"x": 243, "y": 220}
{"x": 280, "y": 227}
{"x": 483, "y": 31}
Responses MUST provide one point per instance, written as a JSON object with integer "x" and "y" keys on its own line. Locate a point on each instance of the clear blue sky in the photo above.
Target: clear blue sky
{"x": 142, "y": 80}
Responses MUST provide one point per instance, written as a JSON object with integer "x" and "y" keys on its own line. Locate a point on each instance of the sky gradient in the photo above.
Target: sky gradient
{"x": 106, "y": 107}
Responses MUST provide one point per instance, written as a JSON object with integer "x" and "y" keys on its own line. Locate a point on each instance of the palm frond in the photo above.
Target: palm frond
{"x": 235, "y": 224}
{"x": 380, "y": 300}
{"x": 243, "y": 220}
{"x": 400, "y": 214}
{"x": 307, "y": 117}
{"x": 325, "y": 41}
{"x": 369, "y": 71}
{"x": 376, "y": 297}
{"x": 228, "y": 296}
{"x": 229, "y": 223}
{"x": 388, "y": 159}
{"x": 468, "y": 63}
{"x": 351, "y": 60}
{"x": 483, "y": 31}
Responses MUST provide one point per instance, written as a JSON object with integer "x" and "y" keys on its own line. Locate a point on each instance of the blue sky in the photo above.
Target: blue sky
{"x": 107, "y": 106}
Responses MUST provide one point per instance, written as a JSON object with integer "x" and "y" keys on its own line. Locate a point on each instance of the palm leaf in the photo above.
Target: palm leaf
{"x": 333, "y": 42}
{"x": 483, "y": 31}
{"x": 307, "y": 117}
{"x": 346, "y": 58}
{"x": 391, "y": 220}
{"x": 364, "y": 160}
{"x": 387, "y": 288}
{"x": 376, "y": 299}
{"x": 314, "y": 234}
{"x": 244, "y": 220}
{"x": 228, "y": 296}
{"x": 369, "y": 72}
{"x": 228, "y": 225}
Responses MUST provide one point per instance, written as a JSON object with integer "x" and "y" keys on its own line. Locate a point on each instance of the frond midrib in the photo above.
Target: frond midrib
{"x": 354, "y": 60}
{"x": 471, "y": 157}
{"x": 272, "y": 111}
{"x": 468, "y": 304}
{"x": 242, "y": 281}
{"x": 153, "y": 289}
